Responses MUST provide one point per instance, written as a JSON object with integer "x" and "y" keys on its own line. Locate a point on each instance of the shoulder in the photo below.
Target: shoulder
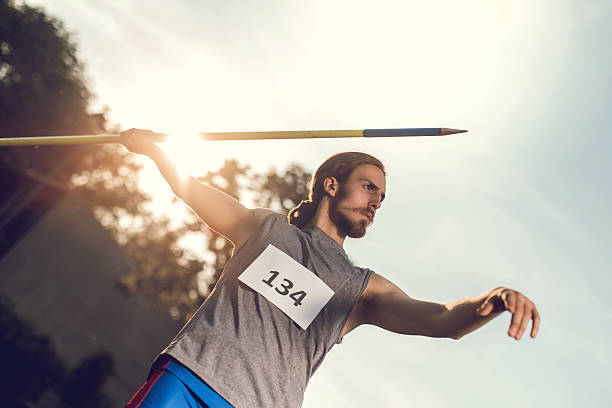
{"x": 377, "y": 286}
{"x": 377, "y": 289}
{"x": 258, "y": 215}
{"x": 253, "y": 220}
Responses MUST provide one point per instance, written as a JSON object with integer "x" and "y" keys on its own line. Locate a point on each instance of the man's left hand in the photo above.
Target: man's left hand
{"x": 523, "y": 310}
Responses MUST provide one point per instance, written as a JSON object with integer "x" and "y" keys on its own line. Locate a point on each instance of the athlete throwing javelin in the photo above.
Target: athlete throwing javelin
{"x": 289, "y": 293}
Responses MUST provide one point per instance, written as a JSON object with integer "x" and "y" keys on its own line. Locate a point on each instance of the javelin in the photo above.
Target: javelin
{"x": 283, "y": 134}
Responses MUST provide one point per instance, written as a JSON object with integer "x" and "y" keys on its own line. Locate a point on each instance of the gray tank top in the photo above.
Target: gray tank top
{"x": 247, "y": 349}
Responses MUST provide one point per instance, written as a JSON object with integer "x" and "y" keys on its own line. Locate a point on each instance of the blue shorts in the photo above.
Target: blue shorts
{"x": 172, "y": 385}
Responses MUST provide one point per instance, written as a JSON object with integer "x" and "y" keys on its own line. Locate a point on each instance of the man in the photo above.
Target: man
{"x": 289, "y": 292}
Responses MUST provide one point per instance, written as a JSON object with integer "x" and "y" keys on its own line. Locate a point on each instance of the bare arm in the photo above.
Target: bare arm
{"x": 465, "y": 316}
{"x": 385, "y": 305}
{"x": 221, "y": 212}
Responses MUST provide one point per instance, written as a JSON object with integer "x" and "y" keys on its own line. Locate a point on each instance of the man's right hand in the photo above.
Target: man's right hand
{"x": 140, "y": 141}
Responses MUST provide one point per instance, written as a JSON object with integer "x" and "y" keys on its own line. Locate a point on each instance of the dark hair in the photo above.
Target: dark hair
{"x": 340, "y": 166}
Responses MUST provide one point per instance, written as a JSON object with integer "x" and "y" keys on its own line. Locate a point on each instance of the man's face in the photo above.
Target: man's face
{"x": 353, "y": 207}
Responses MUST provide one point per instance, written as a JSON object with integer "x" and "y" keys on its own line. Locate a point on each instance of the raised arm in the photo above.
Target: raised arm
{"x": 219, "y": 211}
{"x": 385, "y": 305}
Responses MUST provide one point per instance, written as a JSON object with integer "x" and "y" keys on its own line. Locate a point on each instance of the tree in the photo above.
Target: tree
{"x": 43, "y": 91}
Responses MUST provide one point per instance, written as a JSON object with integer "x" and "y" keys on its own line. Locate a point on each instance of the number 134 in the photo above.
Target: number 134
{"x": 285, "y": 285}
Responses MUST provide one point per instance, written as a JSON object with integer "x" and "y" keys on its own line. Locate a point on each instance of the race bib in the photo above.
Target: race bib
{"x": 294, "y": 289}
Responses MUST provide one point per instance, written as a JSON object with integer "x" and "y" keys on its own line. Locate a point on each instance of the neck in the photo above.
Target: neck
{"x": 322, "y": 221}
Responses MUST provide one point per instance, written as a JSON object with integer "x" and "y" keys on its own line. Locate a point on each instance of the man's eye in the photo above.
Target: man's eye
{"x": 369, "y": 186}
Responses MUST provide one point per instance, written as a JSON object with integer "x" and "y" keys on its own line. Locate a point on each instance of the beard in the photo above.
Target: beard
{"x": 346, "y": 226}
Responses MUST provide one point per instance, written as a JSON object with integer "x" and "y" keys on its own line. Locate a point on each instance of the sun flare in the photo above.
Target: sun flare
{"x": 190, "y": 154}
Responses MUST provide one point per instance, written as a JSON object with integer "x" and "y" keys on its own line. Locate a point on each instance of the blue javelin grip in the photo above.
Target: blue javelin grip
{"x": 410, "y": 132}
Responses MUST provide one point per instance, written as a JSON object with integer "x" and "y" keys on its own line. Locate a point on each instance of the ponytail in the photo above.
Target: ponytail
{"x": 301, "y": 214}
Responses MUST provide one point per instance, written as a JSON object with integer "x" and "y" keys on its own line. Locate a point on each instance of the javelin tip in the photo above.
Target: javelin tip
{"x": 449, "y": 131}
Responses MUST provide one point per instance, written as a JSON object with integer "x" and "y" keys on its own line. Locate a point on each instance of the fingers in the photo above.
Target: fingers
{"x": 536, "y": 323}
{"x": 134, "y": 131}
{"x": 517, "y": 310}
{"x": 137, "y": 140}
{"x": 525, "y": 321}
{"x": 523, "y": 310}
{"x": 158, "y": 137}
{"x": 133, "y": 134}
{"x": 485, "y": 308}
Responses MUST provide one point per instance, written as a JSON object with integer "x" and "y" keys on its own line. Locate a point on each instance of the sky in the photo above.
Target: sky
{"x": 521, "y": 200}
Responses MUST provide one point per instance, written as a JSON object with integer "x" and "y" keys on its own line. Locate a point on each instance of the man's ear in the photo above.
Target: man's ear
{"x": 330, "y": 185}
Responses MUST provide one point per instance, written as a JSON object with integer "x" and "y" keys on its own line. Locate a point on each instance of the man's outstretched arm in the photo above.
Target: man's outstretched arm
{"x": 219, "y": 211}
{"x": 385, "y": 305}
{"x": 465, "y": 316}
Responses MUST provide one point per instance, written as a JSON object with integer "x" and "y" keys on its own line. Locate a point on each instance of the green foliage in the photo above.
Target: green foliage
{"x": 42, "y": 89}
{"x": 282, "y": 191}
{"x": 43, "y": 92}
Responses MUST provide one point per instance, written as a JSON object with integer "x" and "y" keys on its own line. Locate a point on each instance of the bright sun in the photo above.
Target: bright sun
{"x": 190, "y": 154}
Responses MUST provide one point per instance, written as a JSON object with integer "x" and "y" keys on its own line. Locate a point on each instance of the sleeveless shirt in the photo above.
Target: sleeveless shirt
{"x": 247, "y": 349}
